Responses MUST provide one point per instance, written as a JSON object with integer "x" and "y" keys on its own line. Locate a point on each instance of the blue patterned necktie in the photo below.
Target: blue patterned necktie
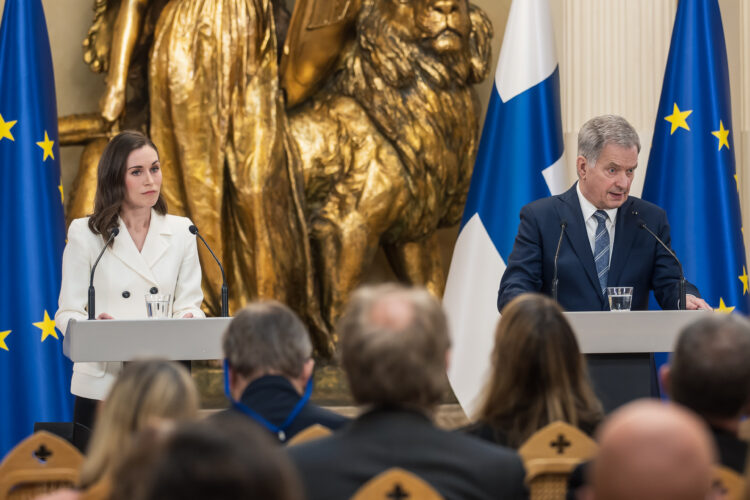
{"x": 601, "y": 249}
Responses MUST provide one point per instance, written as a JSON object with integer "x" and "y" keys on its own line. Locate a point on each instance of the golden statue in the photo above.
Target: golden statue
{"x": 388, "y": 143}
{"x": 376, "y": 149}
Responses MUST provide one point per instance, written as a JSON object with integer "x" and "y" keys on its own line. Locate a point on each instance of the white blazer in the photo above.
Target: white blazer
{"x": 168, "y": 262}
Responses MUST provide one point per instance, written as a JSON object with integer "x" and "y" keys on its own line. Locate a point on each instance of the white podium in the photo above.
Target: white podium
{"x": 125, "y": 340}
{"x": 610, "y": 332}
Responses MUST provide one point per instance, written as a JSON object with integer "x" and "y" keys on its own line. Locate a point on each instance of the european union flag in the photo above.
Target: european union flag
{"x": 691, "y": 169}
{"x": 34, "y": 375}
{"x": 519, "y": 160}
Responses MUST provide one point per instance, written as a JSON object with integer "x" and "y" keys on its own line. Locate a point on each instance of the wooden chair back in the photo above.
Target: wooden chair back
{"x": 396, "y": 483}
{"x": 550, "y": 455}
{"x": 315, "y": 431}
{"x": 39, "y": 464}
{"x": 728, "y": 484}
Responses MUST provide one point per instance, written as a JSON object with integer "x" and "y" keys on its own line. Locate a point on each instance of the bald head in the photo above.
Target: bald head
{"x": 652, "y": 450}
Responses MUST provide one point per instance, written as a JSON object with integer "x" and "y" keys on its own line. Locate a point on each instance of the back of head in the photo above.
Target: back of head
{"x": 538, "y": 372}
{"x": 709, "y": 369}
{"x": 394, "y": 344}
{"x": 145, "y": 393}
{"x": 651, "y": 450}
{"x": 267, "y": 337}
{"x": 235, "y": 459}
{"x": 602, "y": 130}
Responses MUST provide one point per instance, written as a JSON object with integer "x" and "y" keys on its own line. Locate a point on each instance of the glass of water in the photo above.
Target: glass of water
{"x": 620, "y": 297}
{"x": 158, "y": 305}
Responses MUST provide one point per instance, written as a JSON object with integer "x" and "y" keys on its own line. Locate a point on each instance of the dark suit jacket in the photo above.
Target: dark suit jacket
{"x": 458, "y": 466}
{"x": 638, "y": 260}
{"x": 274, "y": 397}
{"x": 732, "y": 450}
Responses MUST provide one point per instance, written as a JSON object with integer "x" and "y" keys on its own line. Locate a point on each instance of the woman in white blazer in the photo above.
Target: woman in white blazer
{"x": 153, "y": 253}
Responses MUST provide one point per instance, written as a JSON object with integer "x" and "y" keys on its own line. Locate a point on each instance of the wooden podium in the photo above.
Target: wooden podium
{"x": 619, "y": 347}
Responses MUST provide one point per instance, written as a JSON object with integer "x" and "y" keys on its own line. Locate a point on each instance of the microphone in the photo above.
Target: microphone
{"x": 555, "y": 281}
{"x": 224, "y": 290}
{"x": 114, "y": 232}
{"x": 683, "y": 288}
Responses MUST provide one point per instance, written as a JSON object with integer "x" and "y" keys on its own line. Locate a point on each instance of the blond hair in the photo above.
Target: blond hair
{"x": 145, "y": 393}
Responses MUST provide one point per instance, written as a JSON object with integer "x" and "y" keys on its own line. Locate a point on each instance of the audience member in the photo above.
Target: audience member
{"x": 395, "y": 348}
{"x": 709, "y": 373}
{"x": 538, "y": 375}
{"x": 203, "y": 460}
{"x": 145, "y": 393}
{"x": 269, "y": 367}
{"x": 653, "y": 450}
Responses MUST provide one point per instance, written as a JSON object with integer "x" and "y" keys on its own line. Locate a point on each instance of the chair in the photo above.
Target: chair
{"x": 315, "y": 431}
{"x": 550, "y": 455}
{"x": 728, "y": 484}
{"x": 39, "y": 464}
{"x": 396, "y": 483}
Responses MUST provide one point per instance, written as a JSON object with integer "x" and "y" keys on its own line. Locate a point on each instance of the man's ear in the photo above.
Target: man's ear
{"x": 581, "y": 164}
{"x": 307, "y": 370}
{"x": 665, "y": 377}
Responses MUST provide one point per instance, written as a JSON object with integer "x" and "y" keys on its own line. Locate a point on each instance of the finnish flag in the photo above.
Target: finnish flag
{"x": 520, "y": 159}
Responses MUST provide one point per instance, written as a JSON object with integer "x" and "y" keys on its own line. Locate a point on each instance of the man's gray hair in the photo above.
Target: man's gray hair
{"x": 267, "y": 337}
{"x": 602, "y": 130}
{"x": 394, "y": 342}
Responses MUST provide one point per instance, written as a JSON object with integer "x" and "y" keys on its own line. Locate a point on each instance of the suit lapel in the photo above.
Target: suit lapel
{"x": 625, "y": 232}
{"x": 157, "y": 239}
{"x": 124, "y": 249}
{"x": 570, "y": 210}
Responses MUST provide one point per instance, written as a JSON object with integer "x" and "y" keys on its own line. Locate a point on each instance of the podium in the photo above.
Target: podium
{"x": 125, "y": 340}
{"x": 619, "y": 347}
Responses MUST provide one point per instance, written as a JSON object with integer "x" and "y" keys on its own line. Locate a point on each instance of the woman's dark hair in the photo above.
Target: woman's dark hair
{"x": 110, "y": 181}
{"x": 538, "y": 373}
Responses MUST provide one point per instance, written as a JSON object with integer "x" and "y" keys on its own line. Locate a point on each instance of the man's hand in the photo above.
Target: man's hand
{"x": 693, "y": 303}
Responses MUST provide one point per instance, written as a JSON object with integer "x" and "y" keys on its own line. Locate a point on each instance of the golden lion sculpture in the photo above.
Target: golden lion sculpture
{"x": 388, "y": 145}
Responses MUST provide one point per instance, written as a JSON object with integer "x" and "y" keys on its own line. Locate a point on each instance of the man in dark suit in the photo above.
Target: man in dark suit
{"x": 269, "y": 369}
{"x": 709, "y": 373}
{"x": 395, "y": 347}
{"x": 604, "y": 242}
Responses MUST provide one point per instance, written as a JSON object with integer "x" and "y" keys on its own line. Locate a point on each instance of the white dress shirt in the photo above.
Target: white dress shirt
{"x": 588, "y": 210}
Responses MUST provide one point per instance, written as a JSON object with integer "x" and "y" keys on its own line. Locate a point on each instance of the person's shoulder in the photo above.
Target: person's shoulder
{"x": 79, "y": 230}
{"x": 177, "y": 221}
{"x": 326, "y": 418}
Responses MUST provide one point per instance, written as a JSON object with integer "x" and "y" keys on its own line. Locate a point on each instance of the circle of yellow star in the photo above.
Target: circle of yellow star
{"x": 722, "y": 134}
{"x": 62, "y": 196}
{"x": 743, "y": 279}
{"x": 723, "y": 307}
{"x": 47, "y": 326}
{"x": 678, "y": 119}
{"x": 5, "y": 129}
{"x": 3, "y": 336}
{"x": 46, "y": 146}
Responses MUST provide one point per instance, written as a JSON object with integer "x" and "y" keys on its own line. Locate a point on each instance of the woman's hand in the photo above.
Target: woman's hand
{"x": 104, "y": 316}
{"x": 188, "y": 315}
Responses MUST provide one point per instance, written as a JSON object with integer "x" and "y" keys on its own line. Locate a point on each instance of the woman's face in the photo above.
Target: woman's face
{"x": 142, "y": 179}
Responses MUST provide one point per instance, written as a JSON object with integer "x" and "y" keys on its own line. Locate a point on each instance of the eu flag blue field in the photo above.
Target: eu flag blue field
{"x": 691, "y": 169}
{"x": 34, "y": 375}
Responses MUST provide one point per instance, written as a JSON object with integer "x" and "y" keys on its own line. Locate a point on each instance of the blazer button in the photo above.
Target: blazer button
{"x": 125, "y": 294}
{"x": 154, "y": 290}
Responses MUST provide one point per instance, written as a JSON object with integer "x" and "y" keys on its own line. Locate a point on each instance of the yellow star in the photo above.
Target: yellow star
{"x": 3, "y": 335}
{"x": 62, "y": 196}
{"x": 743, "y": 279}
{"x": 722, "y": 134}
{"x": 678, "y": 119}
{"x": 46, "y": 146}
{"x": 5, "y": 129}
{"x": 737, "y": 181}
{"x": 723, "y": 308}
{"x": 47, "y": 326}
